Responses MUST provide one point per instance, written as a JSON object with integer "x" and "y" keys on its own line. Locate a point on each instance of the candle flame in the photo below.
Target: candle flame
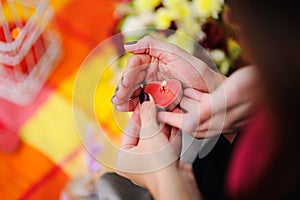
{"x": 15, "y": 33}
{"x": 163, "y": 87}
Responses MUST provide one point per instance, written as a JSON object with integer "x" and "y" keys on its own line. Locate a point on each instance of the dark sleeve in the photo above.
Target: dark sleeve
{"x": 210, "y": 170}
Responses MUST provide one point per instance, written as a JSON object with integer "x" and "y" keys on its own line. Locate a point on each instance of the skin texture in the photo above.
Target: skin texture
{"x": 154, "y": 60}
{"x": 166, "y": 174}
{"x": 217, "y": 99}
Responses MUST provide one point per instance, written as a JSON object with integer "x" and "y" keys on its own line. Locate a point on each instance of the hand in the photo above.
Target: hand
{"x": 148, "y": 157}
{"x": 154, "y": 60}
{"x": 225, "y": 110}
{"x": 147, "y": 144}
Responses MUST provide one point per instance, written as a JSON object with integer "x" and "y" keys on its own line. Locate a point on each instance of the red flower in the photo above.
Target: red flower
{"x": 215, "y": 36}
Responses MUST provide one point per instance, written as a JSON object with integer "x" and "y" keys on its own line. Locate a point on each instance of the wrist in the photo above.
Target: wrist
{"x": 168, "y": 184}
{"x": 215, "y": 80}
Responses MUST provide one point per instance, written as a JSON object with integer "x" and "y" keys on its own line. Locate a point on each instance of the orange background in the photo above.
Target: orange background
{"x": 39, "y": 168}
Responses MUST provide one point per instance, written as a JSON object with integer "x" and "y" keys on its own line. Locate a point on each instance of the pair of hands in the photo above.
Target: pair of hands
{"x": 212, "y": 104}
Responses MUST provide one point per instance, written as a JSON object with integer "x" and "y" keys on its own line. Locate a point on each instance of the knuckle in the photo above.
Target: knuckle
{"x": 190, "y": 125}
{"x": 147, "y": 38}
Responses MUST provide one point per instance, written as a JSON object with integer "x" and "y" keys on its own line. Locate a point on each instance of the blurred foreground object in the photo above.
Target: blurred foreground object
{"x": 9, "y": 140}
{"x": 84, "y": 187}
{"x": 29, "y": 48}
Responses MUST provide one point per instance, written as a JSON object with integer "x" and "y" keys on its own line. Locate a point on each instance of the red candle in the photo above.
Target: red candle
{"x": 167, "y": 94}
{"x": 17, "y": 72}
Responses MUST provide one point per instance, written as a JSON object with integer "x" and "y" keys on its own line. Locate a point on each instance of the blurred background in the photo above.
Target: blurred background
{"x": 58, "y": 129}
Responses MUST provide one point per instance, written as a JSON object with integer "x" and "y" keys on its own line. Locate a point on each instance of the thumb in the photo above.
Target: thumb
{"x": 148, "y": 117}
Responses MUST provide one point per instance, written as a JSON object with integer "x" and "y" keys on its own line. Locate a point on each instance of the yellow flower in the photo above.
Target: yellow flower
{"x": 178, "y": 9}
{"x": 136, "y": 26}
{"x": 224, "y": 67}
{"x": 208, "y": 8}
{"x": 143, "y": 6}
{"x": 217, "y": 55}
{"x": 163, "y": 19}
{"x": 223, "y": 63}
{"x": 234, "y": 49}
{"x": 190, "y": 26}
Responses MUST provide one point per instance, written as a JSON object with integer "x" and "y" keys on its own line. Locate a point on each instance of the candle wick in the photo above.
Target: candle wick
{"x": 163, "y": 86}
{"x": 142, "y": 86}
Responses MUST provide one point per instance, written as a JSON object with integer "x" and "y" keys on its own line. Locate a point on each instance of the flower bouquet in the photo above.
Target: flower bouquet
{"x": 189, "y": 21}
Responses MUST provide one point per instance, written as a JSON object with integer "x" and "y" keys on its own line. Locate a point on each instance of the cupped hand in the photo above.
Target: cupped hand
{"x": 155, "y": 60}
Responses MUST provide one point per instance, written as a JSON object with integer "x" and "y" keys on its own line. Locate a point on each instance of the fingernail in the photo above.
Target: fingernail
{"x": 129, "y": 43}
{"x": 116, "y": 90}
{"x": 144, "y": 97}
{"x": 122, "y": 81}
{"x": 113, "y": 99}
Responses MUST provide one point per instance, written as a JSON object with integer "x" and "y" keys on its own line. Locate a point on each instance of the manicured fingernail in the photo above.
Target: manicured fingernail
{"x": 144, "y": 97}
{"x": 122, "y": 81}
{"x": 129, "y": 43}
{"x": 113, "y": 98}
{"x": 116, "y": 90}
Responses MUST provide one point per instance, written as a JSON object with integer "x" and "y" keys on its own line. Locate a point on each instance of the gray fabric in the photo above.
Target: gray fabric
{"x": 112, "y": 186}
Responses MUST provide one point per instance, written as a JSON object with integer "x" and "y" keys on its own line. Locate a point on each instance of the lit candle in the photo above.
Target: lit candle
{"x": 166, "y": 94}
{"x": 19, "y": 71}
{"x": 15, "y": 33}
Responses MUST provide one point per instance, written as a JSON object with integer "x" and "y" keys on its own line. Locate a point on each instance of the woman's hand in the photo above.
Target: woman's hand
{"x": 225, "y": 110}
{"x": 154, "y": 60}
{"x": 148, "y": 156}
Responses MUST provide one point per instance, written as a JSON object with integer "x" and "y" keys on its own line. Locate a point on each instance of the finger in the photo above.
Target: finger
{"x": 165, "y": 129}
{"x": 240, "y": 124}
{"x": 137, "y": 92}
{"x": 225, "y": 121}
{"x": 170, "y": 53}
{"x": 177, "y": 120}
{"x": 208, "y": 134}
{"x": 130, "y": 137}
{"x": 133, "y": 75}
{"x": 137, "y": 62}
{"x": 244, "y": 116}
{"x": 188, "y": 104}
{"x": 201, "y": 110}
{"x": 156, "y": 48}
{"x": 120, "y": 97}
{"x": 128, "y": 105}
{"x": 175, "y": 140}
{"x": 125, "y": 92}
{"x": 148, "y": 117}
{"x": 194, "y": 94}
{"x": 174, "y": 133}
